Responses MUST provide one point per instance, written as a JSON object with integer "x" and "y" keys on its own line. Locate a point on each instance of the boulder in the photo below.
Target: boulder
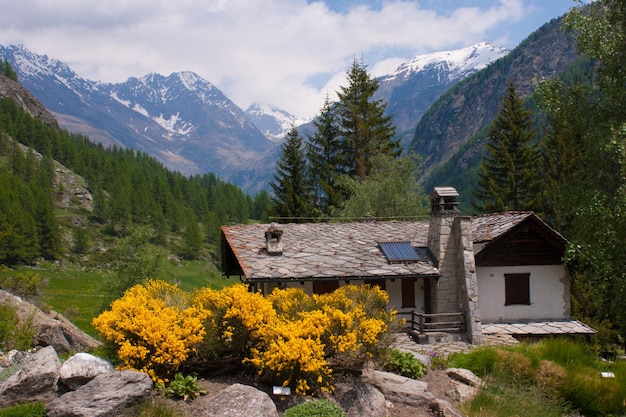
{"x": 82, "y": 368}
{"x": 103, "y": 396}
{"x": 52, "y": 329}
{"x": 399, "y": 388}
{"x": 442, "y": 408}
{"x": 36, "y": 381}
{"x": 464, "y": 376}
{"x": 359, "y": 399}
{"x": 235, "y": 401}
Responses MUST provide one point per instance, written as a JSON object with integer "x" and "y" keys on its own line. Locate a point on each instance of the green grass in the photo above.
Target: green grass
{"x": 550, "y": 378}
{"x": 76, "y": 293}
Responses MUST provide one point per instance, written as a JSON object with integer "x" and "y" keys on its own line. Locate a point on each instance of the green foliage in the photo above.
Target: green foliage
{"x": 404, "y": 363}
{"x": 292, "y": 194}
{"x": 134, "y": 260}
{"x": 37, "y": 409}
{"x": 391, "y": 191}
{"x": 507, "y": 178}
{"x": 25, "y": 284}
{"x": 315, "y": 408}
{"x": 8, "y": 71}
{"x": 366, "y": 131}
{"x": 13, "y": 333}
{"x": 545, "y": 376}
{"x": 185, "y": 387}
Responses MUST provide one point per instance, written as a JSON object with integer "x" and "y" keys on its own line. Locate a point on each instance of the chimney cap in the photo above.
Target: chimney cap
{"x": 445, "y": 192}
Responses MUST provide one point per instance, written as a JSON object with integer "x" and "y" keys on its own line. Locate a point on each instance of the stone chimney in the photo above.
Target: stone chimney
{"x": 273, "y": 240}
{"x": 450, "y": 241}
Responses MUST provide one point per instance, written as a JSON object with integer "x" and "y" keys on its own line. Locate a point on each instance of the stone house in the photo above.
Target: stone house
{"x": 492, "y": 274}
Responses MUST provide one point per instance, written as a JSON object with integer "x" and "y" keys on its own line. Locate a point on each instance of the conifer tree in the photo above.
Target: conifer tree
{"x": 366, "y": 131}
{"x": 325, "y": 160}
{"x": 508, "y": 176}
{"x": 292, "y": 196}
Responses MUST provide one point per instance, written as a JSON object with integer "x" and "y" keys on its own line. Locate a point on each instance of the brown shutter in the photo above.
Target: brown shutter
{"x": 324, "y": 287}
{"x": 517, "y": 289}
{"x": 408, "y": 293}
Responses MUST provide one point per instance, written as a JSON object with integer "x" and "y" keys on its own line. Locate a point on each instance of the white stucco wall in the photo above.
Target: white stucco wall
{"x": 549, "y": 293}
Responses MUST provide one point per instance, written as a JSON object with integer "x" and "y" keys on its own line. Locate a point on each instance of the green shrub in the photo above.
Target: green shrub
{"x": 24, "y": 284}
{"x": 185, "y": 387}
{"x": 25, "y": 410}
{"x": 404, "y": 363}
{"x": 315, "y": 408}
{"x": 13, "y": 334}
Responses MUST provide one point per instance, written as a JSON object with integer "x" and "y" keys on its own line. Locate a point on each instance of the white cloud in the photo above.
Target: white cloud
{"x": 252, "y": 50}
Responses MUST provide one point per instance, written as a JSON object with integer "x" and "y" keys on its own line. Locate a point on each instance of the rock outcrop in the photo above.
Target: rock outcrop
{"x": 103, "y": 396}
{"x": 36, "y": 381}
{"x": 82, "y": 368}
{"x": 52, "y": 329}
{"x": 237, "y": 400}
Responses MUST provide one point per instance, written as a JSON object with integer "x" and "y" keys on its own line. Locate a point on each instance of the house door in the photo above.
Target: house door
{"x": 324, "y": 287}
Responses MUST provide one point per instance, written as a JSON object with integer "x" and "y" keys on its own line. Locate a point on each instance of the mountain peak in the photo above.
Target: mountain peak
{"x": 457, "y": 63}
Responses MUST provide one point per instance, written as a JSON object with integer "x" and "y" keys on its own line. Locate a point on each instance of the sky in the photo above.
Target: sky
{"x": 291, "y": 54}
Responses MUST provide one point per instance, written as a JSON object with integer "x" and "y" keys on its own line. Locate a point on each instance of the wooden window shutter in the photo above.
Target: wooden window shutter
{"x": 517, "y": 289}
{"x": 408, "y": 293}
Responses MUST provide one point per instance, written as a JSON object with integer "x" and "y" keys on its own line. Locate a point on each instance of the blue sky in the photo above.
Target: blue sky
{"x": 288, "y": 53}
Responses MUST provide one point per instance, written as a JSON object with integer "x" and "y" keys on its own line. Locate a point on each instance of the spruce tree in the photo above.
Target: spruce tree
{"x": 291, "y": 194}
{"x": 508, "y": 176}
{"x": 366, "y": 131}
{"x": 325, "y": 159}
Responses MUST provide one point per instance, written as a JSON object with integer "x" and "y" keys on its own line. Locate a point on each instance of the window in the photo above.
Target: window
{"x": 380, "y": 283}
{"x": 517, "y": 289}
{"x": 408, "y": 293}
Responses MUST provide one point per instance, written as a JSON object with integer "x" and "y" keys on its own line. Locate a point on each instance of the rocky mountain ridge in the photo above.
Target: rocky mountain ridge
{"x": 190, "y": 126}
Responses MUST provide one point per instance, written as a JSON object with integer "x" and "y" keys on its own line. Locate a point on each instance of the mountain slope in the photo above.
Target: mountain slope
{"x": 414, "y": 86}
{"x": 182, "y": 120}
{"x": 448, "y": 131}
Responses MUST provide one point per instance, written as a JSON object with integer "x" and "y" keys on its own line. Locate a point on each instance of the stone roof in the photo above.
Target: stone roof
{"x": 349, "y": 250}
{"x": 537, "y": 328}
{"x": 490, "y": 226}
{"x": 328, "y": 250}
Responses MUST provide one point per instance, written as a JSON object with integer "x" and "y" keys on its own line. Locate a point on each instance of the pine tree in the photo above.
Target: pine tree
{"x": 8, "y": 71}
{"x": 292, "y": 195}
{"x": 325, "y": 159}
{"x": 365, "y": 129}
{"x": 508, "y": 177}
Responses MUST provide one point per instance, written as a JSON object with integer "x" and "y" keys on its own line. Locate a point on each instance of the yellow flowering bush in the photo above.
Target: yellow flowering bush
{"x": 290, "y": 338}
{"x": 153, "y": 327}
{"x": 233, "y": 318}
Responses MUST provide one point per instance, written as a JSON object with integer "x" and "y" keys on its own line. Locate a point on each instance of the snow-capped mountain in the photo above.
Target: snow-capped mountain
{"x": 414, "y": 86}
{"x": 273, "y": 122}
{"x": 181, "y": 119}
{"x": 192, "y": 127}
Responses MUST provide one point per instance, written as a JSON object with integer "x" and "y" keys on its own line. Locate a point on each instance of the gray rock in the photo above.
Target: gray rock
{"x": 82, "y": 368}
{"x": 52, "y": 329}
{"x": 238, "y": 400}
{"x": 103, "y": 396}
{"x": 464, "y": 376}
{"x": 36, "y": 381}
{"x": 399, "y": 388}
{"x": 442, "y": 408}
{"x": 359, "y": 399}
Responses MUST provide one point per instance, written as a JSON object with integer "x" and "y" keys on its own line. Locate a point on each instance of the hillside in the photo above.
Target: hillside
{"x": 450, "y": 136}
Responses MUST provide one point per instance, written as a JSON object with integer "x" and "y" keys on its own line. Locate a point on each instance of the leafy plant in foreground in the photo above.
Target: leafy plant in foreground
{"x": 185, "y": 387}
{"x": 315, "y": 408}
{"x": 25, "y": 410}
{"x": 404, "y": 363}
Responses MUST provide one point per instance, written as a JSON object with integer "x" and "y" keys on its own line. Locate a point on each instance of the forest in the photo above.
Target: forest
{"x": 128, "y": 188}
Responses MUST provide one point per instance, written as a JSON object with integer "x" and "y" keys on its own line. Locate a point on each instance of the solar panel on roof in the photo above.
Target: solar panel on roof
{"x": 399, "y": 251}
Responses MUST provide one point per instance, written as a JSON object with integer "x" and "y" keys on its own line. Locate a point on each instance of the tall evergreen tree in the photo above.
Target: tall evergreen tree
{"x": 366, "y": 131}
{"x": 325, "y": 159}
{"x": 292, "y": 196}
{"x": 508, "y": 178}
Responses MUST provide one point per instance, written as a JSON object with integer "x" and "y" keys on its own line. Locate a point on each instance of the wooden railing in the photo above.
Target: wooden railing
{"x": 428, "y": 323}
